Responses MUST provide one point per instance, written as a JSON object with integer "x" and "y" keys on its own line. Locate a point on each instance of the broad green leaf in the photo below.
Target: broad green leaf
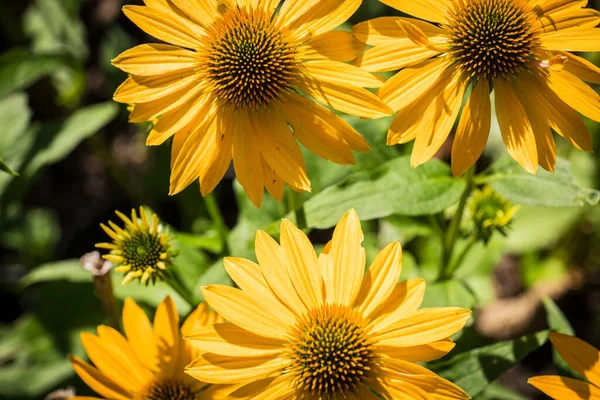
{"x": 14, "y": 119}
{"x": 545, "y": 189}
{"x": 67, "y": 270}
{"x": 209, "y": 240}
{"x": 559, "y": 323}
{"x": 392, "y": 188}
{"x": 474, "y": 370}
{"x": 19, "y": 69}
{"x": 7, "y": 169}
{"x": 450, "y": 293}
{"x": 495, "y": 391}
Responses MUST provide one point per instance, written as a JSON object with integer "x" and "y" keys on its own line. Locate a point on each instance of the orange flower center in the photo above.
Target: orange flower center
{"x": 332, "y": 355}
{"x": 490, "y": 38}
{"x": 169, "y": 390}
{"x": 249, "y": 60}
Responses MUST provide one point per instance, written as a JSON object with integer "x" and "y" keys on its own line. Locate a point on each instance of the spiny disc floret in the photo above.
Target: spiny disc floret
{"x": 331, "y": 352}
{"x": 250, "y": 61}
{"x": 141, "y": 250}
{"x": 169, "y": 390}
{"x": 491, "y": 38}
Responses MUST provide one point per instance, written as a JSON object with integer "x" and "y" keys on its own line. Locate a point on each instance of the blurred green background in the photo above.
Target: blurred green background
{"x": 78, "y": 160}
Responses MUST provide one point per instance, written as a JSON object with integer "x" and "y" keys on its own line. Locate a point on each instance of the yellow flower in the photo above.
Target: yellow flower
{"x": 303, "y": 326}
{"x": 149, "y": 363}
{"x": 518, "y": 48}
{"x": 583, "y": 358}
{"x": 227, "y": 87}
{"x": 141, "y": 249}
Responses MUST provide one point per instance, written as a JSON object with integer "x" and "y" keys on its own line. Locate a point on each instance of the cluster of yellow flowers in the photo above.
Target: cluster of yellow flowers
{"x": 233, "y": 83}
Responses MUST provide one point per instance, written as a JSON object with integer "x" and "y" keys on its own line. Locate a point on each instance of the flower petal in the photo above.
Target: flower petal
{"x": 278, "y": 388}
{"x": 215, "y": 368}
{"x": 155, "y": 59}
{"x": 247, "y": 160}
{"x": 421, "y": 353}
{"x": 572, "y": 40}
{"x": 580, "y": 67}
{"x": 273, "y": 182}
{"x": 168, "y": 338}
{"x": 216, "y": 154}
{"x": 405, "y": 300}
{"x": 141, "y": 89}
{"x": 559, "y": 388}
{"x": 394, "y": 55}
{"x": 333, "y": 45}
{"x": 575, "y": 93}
{"x": 203, "y": 12}
{"x": 200, "y": 317}
{"x": 340, "y": 73}
{"x": 139, "y": 333}
{"x": 322, "y": 16}
{"x": 383, "y": 30}
{"x": 430, "y": 10}
{"x": 98, "y": 382}
{"x": 579, "y": 355}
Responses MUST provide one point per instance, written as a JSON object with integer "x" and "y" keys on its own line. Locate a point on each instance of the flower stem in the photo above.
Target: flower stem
{"x": 461, "y": 257}
{"x": 449, "y": 241}
{"x": 295, "y": 206}
{"x": 217, "y": 218}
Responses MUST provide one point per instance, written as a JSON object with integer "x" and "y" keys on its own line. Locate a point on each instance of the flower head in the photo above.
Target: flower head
{"x": 308, "y": 326}
{"x": 142, "y": 249}
{"x": 490, "y": 212}
{"x": 583, "y": 358}
{"x": 228, "y": 86}
{"x": 149, "y": 363}
{"x": 519, "y": 49}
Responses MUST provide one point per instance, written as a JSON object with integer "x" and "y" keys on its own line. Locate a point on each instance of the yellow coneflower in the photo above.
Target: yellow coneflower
{"x": 142, "y": 249}
{"x": 517, "y": 48}
{"x": 227, "y": 86}
{"x": 583, "y": 358}
{"x": 308, "y": 327}
{"x": 149, "y": 363}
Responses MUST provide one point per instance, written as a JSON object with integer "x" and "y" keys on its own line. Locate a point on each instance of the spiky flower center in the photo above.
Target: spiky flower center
{"x": 250, "y": 60}
{"x": 169, "y": 390}
{"x": 142, "y": 249}
{"x": 331, "y": 352}
{"x": 491, "y": 38}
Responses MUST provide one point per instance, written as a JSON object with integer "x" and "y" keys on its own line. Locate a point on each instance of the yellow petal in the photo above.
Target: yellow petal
{"x": 274, "y": 268}
{"x": 348, "y": 257}
{"x": 273, "y": 182}
{"x": 515, "y": 127}
{"x": 473, "y": 129}
{"x": 580, "y": 67}
{"x": 98, "y": 382}
{"x": 405, "y": 300}
{"x": 122, "y": 353}
{"x": 395, "y": 55}
{"x": 155, "y": 59}
{"x": 409, "y": 84}
{"x": 165, "y": 27}
{"x": 575, "y": 93}
{"x": 150, "y": 110}
{"x": 247, "y": 160}
{"x": 431, "y": 10}
{"x": 215, "y": 368}
{"x": 346, "y": 98}
{"x": 168, "y": 338}
{"x": 437, "y": 120}
{"x": 200, "y": 317}
{"x": 279, "y": 149}
{"x": 239, "y": 308}
{"x": 193, "y": 112}
{"x": 572, "y": 18}
{"x": 248, "y": 277}
{"x": 322, "y": 16}
{"x": 141, "y": 89}
{"x": 579, "y": 355}
{"x": 301, "y": 263}
{"x": 280, "y": 387}
{"x": 314, "y": 132}
{"x": 386, "y": 30}
{"x": 421, "y": 353}
{"x": 396, "y": 389}
{"x": 560, "y": 388}
{"x": 203, "y": 12}
{"x": 423, "y": 327}
{"x": 572, "y": 40}
{"x": 228, "y": 339}
{"x": 546, "y": 7}
{"x": 215, "y": 153}
{"x": 333, "y": 45}
{"x": 380, "y": 279}
{"x": 139, "y": 333}
{"x": 339, "y": 73}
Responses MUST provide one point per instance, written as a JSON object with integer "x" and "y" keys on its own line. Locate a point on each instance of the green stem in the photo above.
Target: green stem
{"x": 461, "y": 257}
{"x": 181, "y": 290}
{"x": 217, "y": 218}
{"x": 295, "y": 206}
{"x": 449, "y": 241}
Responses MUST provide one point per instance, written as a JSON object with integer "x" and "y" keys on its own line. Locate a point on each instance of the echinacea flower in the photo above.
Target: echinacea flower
{"x": 583, "y": 358}
{"x": 308, "y": 327}
{"x": 227, "y": 86}
{"x": 461, "y": 49}
{"x": 490, "y": 212}
{"x": 142, "y": 249}
{"x": 149, "y": 363}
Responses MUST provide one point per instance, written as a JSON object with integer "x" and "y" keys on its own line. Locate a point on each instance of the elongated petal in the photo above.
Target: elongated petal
{"x": 215, "y": 368}
{"x": 391, "y": 388}
{"x": 395, "y": 55}
{"x": 575, "y": 93}
{"x": 380, "y": 279}
{"x": 581, "y": 356}
{"x": 247, "y": 160}
{"x": 473, "y": 129}
{"x": 324, "y": 16}
{"x": 424, "y": 326}
{"x": 141, "y": 89}
{"x": 515, "y": 127}
{"x": 572, "y": 18}
{"x": 333, "y": 45}
{"x": 431, "y": 10}
{"x": 154, "y": 59}
{"x": 216, "y": 154}
{"x": 405, "y": 300}
{"x": 98, "y": 381}
{"x": 203, "y": 12}
{"x": 122, "y": 353}
{"x": 572, "y": 40}
{"x": 340, "y": 73}
{"x": 228, "y": 339}
{"x": 580, "y": 67}
{"x": 147, "y": 111}
{"x": 139, "y": 333}
{"x": 239, "y": 308}
{"x": 168, "y": 338}
{"x": 200, "y": 317}
{"x": 278, "y": 388}
{"x": 383, "y": 30}
{"x": 559, "y": 388}
{"x": 421, "y": 353}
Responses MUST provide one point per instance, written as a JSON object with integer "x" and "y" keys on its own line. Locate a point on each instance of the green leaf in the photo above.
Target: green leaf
{"x": 450, "y": 293}
{"x": 558, "y": 323}
{"x": 14, "y": 119}
{"x": 557, "y": 189}
{"x": 7, "y": 169}
{"x": 209, "y": 240}
{"x": 392, "y": 188}
{"x": 215, "y": 275}
{"x": 19, "y": 69}
{"x": 496, "y": 391}
{"x": 474, "y": 370}
{"x": 67, "y": 270}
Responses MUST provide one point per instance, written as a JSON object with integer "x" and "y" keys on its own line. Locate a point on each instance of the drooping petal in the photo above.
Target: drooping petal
{"x": 216, "y": 154}
{"x": 168, "y": 338}
{"x": 200, "y": 317}
{"x": 340, "y": 73}
{"x": 321, "y": 16}
{"x": 278, "y": 388}
{"x": 141, "y": 89}
{"x": 247, "y": 160}
{"x": 155, "y": 59}
{"x": 139, "y": 333}
{"x": 405, "y": 300}
{"x": 571, "y": 18}
{"x": 579, "y": 355}
{"x": 215, "y": 368}
{"x": 572, "y": 40}
{"x": 333, "y": 45}
{"x": 575, "y": 93}
{"x": 473, "y": 129}
{"x": 559, "y": 388}
{"x": 580, "y": 67}
{"x": 384, "y": 30}
{"x": 203, "y": 12}
{"x": 273, "y": 183}
{"x": 421, "y": 353}
{"x": 394, "y": 55}
{"x": 430, "y": 10}
{"x": 98, "y": 381}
